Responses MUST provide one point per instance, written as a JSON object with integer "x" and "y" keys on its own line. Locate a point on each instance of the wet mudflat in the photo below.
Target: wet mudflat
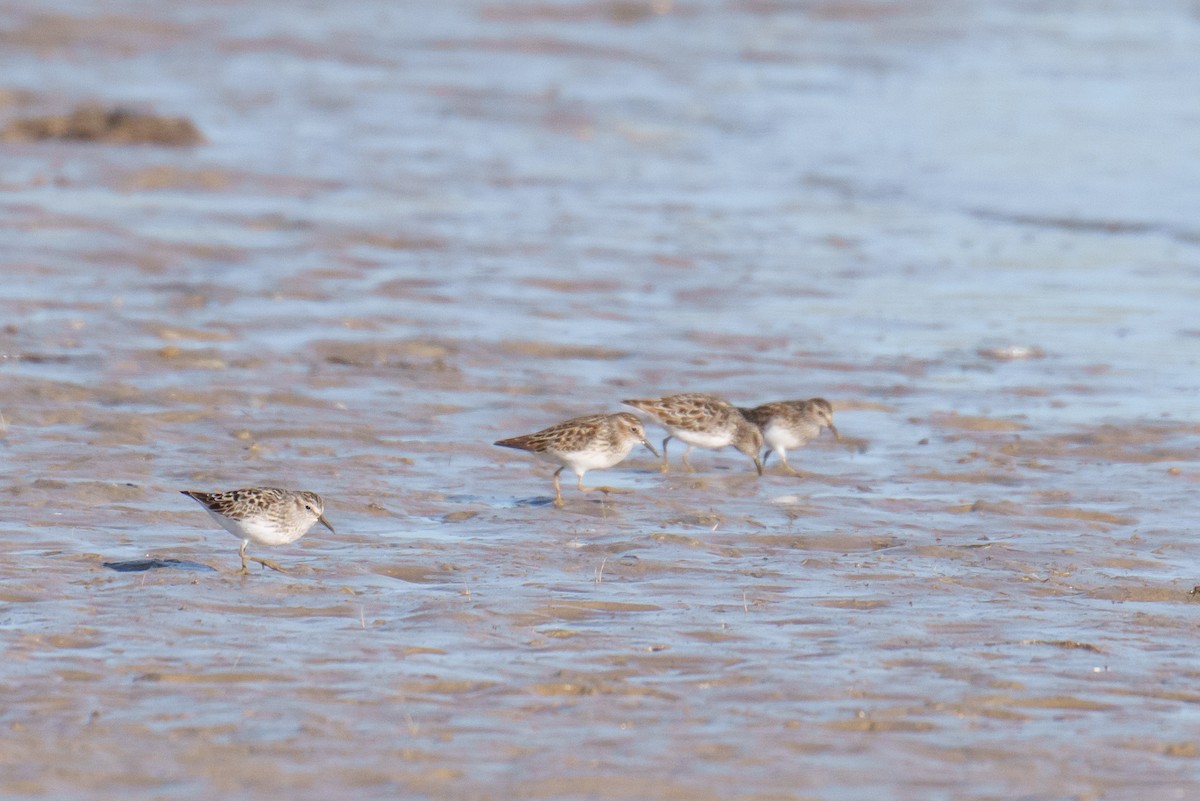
{"x": 411, "y": 231}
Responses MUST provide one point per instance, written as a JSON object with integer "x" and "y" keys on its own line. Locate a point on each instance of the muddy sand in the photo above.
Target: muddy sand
{"x": 410, "y": 231}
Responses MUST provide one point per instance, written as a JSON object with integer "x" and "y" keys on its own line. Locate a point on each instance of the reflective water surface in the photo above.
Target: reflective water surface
{"x": 417, "y": 228}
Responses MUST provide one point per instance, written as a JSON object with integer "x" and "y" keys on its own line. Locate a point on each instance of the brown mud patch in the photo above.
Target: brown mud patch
{"x": 426, "y": 229}
{"x": 110, "y": 34}
{"x": 1136, "y": 442}
{"x": 110, "y": 126}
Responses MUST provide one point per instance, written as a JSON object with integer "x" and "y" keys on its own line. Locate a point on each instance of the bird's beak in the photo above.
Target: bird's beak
{"x": 321, "y": 519}
{"x": 836, "y": 435}
{"x": 646, "y": 442}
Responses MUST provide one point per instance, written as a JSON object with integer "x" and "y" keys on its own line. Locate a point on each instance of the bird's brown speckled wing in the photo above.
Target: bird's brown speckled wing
{"x": 690, "y": 411}
{"x": 790, "y": 412}
{"x": 785, "y": 412}
{"x": 760, "y": 415}
{"x": 565, "y": 437}
{"x": 240, "y": 500}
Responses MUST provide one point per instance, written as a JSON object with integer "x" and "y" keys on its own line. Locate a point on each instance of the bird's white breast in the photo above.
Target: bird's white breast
{"x": 587, "y": 459}
{"x": 262, "y": 529}
{"x": 780, "y": 436}
{"x": 704, "y": 439}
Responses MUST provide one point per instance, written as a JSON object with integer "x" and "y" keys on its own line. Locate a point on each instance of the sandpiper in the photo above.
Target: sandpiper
{"x": 582, "y": 444}
{"x": 702, "y": 420}
{"x": 265, "y": 515}
{"x": 790, "y": 424}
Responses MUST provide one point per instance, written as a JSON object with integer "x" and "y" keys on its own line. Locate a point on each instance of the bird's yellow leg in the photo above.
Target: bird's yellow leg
{"x": 558, "y": 501}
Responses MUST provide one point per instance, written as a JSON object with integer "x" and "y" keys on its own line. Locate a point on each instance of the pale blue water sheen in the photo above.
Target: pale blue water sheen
{"x": 418, "y": 228}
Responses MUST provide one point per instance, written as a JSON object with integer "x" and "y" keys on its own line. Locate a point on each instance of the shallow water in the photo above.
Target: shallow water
{"x": 412, "y": 232}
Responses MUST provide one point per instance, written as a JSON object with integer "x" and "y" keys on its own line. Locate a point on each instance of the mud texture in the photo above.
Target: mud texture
{"x": 414, "y": 229}
{"x": 116, "y": 126}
